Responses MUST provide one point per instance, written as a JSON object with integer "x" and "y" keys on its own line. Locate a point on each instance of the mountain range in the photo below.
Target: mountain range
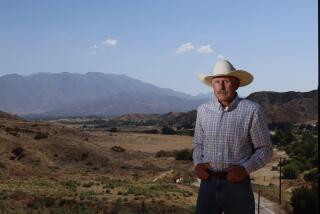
{"x": 69, "y": 94}
{"x": 57, "y": 95}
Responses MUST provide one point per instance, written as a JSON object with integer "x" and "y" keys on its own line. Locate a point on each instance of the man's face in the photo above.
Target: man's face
{"x": 225, "y": 88}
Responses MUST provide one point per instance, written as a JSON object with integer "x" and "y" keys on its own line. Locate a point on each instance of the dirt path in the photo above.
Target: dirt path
{"x": 162, "y": 175}
{"x": 269, "y": 173}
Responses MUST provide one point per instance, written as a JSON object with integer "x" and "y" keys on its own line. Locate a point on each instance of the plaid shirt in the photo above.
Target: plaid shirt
{"x": 237, "y": 134}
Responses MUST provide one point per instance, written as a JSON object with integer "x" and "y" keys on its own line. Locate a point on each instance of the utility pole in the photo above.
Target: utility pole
{"x": 259, "y": 202}
{"x": 280, "y": 163}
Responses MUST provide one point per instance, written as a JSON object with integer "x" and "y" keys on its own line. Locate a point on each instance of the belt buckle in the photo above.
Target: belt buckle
{"x": 218, "y": 174}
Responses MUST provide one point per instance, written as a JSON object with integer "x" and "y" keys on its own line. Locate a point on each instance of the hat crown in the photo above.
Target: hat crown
{"x": 223, "y": 67}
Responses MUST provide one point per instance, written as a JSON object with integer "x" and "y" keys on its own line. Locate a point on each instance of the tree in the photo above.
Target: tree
{"x": 167, "y": 130}
{"x": 305, "y": 200}
{"x": 290, "y": 171}
{"x": 311, "y": 176}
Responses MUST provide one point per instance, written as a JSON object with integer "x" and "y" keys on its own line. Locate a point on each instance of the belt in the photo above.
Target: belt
{"x": 221, "y": 174}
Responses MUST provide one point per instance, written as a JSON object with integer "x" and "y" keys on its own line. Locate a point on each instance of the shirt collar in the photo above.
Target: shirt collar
{"x": 219, "y": 107}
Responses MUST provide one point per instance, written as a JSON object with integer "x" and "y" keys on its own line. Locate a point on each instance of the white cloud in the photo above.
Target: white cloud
{"x": 185, "y": 47}
{"x": 110, "y": 42}
{"x": 205, "y": 49}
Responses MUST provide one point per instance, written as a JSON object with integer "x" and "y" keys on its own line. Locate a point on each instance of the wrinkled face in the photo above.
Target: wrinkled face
{"x": 225, "y": 88}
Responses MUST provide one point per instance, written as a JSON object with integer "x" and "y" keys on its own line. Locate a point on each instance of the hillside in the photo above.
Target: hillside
{"x": 293, "y": 107}
{"x": 52, "y": 167}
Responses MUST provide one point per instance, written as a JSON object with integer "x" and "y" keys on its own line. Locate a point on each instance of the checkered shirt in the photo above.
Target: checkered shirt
{"x": 237, "y": 134}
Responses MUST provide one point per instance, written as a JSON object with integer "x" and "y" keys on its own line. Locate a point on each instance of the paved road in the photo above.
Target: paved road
{"x": 266, "y": 206}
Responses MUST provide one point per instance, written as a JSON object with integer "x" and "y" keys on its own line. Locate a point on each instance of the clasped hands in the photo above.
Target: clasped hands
{"x": 235, "y": 173}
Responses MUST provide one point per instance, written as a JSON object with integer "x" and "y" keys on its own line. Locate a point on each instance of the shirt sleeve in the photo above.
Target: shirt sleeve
{"x": 260, "y": 139}
{"x": 198, "y": 140}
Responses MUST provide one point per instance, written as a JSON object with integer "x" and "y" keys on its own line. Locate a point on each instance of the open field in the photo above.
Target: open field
{"x": 53, "y": 168}
{"x": 47, "y": 167}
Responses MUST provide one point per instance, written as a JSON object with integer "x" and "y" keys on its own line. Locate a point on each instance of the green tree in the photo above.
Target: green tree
{"x": 167, "y": 130}
{"x": 184, "y": 154}
{"x": 305, "y": 200}
{"x": 311, "y": 175}
{"x": 290, "y": 171}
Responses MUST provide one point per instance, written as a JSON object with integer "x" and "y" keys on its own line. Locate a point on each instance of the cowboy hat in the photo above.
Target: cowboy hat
{"x": 224, "y": 68}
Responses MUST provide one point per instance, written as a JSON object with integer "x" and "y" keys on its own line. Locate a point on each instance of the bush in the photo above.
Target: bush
{"x": 117, "y": 149}
{"x": 151, "y": 131}
{"x": 185, "y": 154}
{"x": 113, "y": 129}
{"x": 186, "y": 132}
{"x": 41, "y": 135}
{"x": 305, "y": 200}
{"x": 290, "y": 171}
{"x": 163, "y": 153}
{"x": 70, "y": 185}
{"x": 311, "y": 175}
{"x": 167, "y": 130}
{"x": 17, "y": 153}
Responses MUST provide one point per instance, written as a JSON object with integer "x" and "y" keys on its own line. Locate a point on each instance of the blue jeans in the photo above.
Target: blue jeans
{"x": 219, "y": 195}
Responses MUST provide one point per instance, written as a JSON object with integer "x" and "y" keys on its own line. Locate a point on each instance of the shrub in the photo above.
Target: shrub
{"x": 114, "y": 129}
{"x": 84, "y": 155}
{"x": 87, "y": 185}
{"x": 163, "y": 153}
{"x": 17, "y": 153}
{"x": 70, "y": 185}
{"x": 185, "y": 154}
{"x": 186, "y": 132}
{"x": 41, "y": 135}
{"x": 117, "y": 149}
{"x": 311, "y": 175}
{"x": 290, "y": 171}
{"x": 305, "y": 200}
{"x": 151, "y": 131}
{"x": 167, "y": 130}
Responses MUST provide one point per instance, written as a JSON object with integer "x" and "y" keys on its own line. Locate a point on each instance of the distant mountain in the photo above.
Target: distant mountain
{"x": 70, "y": 94}
{"x": 289, "y": 106}
{"x": 4, "y": 115}
{"x": 123, "y": 103}
{"x": 207, "y": 96}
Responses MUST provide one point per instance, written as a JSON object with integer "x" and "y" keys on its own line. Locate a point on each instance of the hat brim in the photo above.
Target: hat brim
{"x": 244, "y": 77}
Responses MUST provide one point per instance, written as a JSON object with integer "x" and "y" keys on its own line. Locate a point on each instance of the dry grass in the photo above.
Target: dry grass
{"x": 76, "y": 170}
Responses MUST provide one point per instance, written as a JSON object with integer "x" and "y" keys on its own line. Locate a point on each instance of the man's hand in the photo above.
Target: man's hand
{"x": 202, "y": 170}
{"x": 236, "y": 173}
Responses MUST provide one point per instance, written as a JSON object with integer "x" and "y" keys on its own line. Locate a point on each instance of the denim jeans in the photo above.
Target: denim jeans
{"x": 218, "y": 196}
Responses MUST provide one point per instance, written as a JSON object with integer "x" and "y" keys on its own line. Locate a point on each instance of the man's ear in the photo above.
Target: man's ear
{"x": 237, "y": 84}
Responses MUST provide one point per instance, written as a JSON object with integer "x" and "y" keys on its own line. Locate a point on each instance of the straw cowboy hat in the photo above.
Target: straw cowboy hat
{"x": 224, "y": 68}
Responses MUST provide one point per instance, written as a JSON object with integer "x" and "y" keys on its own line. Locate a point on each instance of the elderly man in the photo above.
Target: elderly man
{"x": 231, "y": 140}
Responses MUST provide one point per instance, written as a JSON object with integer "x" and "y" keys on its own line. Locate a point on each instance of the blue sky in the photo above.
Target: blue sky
{"x": 164, "y": 42}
